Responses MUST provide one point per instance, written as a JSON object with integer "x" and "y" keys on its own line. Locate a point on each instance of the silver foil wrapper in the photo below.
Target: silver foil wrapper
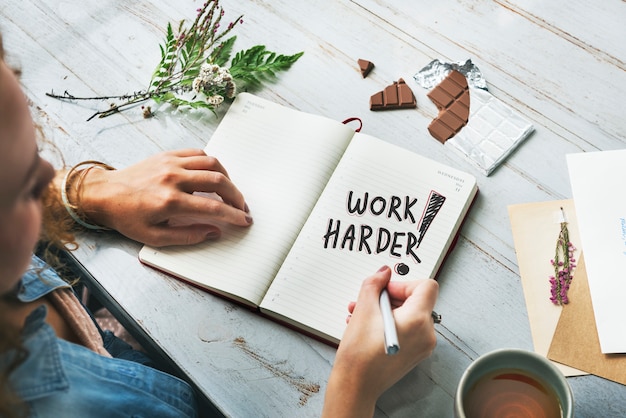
{"x": 432, "y": 74}
{"x": 493, "y": 130}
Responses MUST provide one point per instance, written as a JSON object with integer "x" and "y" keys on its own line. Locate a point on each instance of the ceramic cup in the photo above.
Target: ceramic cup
{"x": 513, "y": 382}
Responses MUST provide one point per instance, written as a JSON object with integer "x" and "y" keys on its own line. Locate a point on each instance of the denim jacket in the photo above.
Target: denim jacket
{"x": 59, "y": 378}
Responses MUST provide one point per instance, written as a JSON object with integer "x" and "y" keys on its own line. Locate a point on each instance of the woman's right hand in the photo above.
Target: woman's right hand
{"x": 362, "y": 370}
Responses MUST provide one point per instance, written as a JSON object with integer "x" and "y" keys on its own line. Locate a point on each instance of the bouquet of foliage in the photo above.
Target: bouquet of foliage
{"x": 193, "y": 70}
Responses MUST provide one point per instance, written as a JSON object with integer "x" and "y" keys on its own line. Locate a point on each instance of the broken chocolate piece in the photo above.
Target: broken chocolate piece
{"x": 366, "y": 67}
{"x": 452, "y": 98}
{"x": 395, "y": 96}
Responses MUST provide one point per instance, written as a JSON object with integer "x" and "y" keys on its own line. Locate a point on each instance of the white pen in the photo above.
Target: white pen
{"x": 392, "y": 346}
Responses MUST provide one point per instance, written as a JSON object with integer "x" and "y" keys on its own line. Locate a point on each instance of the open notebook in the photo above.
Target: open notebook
{"x": 330, "y": 206}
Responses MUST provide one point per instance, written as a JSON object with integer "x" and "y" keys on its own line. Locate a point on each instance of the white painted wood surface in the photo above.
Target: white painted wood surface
{"x": 561, "y": 64}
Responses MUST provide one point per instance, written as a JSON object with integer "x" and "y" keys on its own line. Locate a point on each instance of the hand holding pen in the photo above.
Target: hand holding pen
{"x": 362, "y": 370}
{"x": 392, "y": 344}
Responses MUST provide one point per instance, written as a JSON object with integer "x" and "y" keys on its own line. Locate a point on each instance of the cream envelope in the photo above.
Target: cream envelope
{"x": 597, "y": 180}
{"x": 535, "y": 228}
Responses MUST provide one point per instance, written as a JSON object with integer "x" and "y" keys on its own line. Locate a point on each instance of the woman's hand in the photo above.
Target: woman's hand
{"x": 153, "y": 201}
{"x": 362, "y": 370}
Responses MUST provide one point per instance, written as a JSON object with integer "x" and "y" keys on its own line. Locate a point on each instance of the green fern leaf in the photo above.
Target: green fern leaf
{"x": 221, "y": 54}
{"x": 255, "y": 65}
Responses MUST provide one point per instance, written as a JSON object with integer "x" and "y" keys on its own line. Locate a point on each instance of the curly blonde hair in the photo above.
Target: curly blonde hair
{"x": 57, "y": 226}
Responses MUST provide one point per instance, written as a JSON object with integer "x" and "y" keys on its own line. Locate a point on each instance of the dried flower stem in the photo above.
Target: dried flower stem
{"x": 564, "y": 264}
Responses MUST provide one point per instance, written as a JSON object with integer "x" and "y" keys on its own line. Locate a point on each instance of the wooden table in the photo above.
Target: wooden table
{"x": 561, "y": 64}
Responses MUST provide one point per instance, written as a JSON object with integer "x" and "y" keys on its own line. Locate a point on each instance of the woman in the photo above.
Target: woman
{"x": 52, "y": 358}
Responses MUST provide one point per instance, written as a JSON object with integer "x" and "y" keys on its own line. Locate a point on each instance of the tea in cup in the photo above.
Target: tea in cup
{"x": 513, "y": 383}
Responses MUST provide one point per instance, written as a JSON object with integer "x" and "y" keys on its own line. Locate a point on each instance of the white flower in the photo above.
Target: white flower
{"x": 215, "y": 100}
{"x": 211, "y": 75}
{"x": 230, "y": 89}
{"x": 198, "y": 84}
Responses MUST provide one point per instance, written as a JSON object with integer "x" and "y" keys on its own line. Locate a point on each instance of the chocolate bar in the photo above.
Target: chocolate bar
{"x": 366, "y": 67}
{"x": 452, "y": 98}
{"x": 395, "y": 96}
{"x": 494, "y": 130}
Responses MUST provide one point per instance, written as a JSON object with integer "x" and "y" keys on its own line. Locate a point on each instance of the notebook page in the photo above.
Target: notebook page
{"x": 315, "y": 284}
{"x": 280, "y": 159}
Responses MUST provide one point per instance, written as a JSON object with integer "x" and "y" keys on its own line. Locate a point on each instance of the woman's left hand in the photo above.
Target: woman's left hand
{"x": 172, "y": 198}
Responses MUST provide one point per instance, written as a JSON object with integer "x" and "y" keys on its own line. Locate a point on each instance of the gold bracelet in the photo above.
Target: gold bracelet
{"x": 71, "y": 209}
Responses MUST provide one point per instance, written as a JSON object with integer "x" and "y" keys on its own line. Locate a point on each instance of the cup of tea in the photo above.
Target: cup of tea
{"x": 513, "y": 382}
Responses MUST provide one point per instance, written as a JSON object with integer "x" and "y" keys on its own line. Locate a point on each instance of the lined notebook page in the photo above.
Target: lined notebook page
{"x": 315, "y": 284}
{"x": 280, "y": 159}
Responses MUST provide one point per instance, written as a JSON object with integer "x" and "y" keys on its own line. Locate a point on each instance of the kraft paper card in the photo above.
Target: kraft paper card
{"x": 535, "y": 228}
{"x": 577, "y": 328}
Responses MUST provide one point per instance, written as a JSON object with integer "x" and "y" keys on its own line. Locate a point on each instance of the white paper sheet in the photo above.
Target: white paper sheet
{"x": 597, "y": 180}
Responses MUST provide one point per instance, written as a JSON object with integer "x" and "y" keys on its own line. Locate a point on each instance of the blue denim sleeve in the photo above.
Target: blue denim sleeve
{"x": 119, "y": 348}
{"x": 59, "y": 378}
